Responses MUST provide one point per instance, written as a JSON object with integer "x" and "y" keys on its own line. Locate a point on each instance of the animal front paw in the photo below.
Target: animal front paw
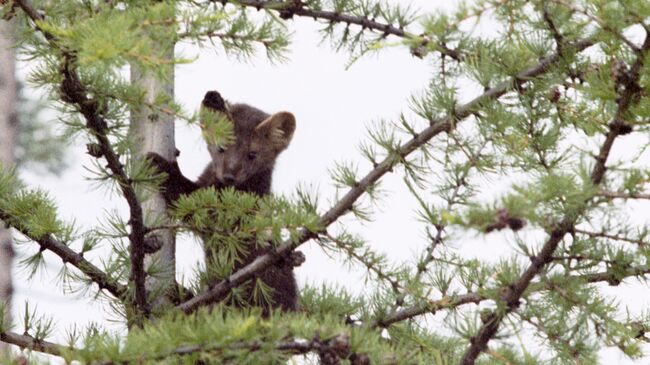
{"x": 161, "y": 164}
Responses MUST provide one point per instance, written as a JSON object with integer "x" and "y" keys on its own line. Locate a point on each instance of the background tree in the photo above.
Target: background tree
{"x": 7, "y": 142}
{"x": 556, "y": 88}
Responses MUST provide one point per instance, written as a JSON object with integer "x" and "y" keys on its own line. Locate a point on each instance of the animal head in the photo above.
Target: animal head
{"x": 259, "y": 139}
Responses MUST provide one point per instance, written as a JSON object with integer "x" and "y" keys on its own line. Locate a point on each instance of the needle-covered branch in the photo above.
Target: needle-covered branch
{"x": 513, "y": 294}
{"x": 74, "y": 92}
{"x": 289, "y": 9}
{"x": 67, "y": 255}
{"x": 623, "y": 195}
{"x": 346, "y": 203}
{"x": 337, "y": 347}
{"x": 31, "y": 343}
{"x": 636, "y": 241}
{"x": 450, "y": 302}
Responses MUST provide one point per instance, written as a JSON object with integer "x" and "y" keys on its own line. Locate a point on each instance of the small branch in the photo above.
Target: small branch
{"x": 338, "y": 345}
{"x": 73, "y": 91}
{"x": 559, "y": 39}
{"x": 344, "y": 205}
{"x": 641, "y": 243}
{"x": 431, "y": 307}
{"x": 288, "y": 9}
{"x": 623, "y": 195}
{"x": 31, "y": 343}
{"x": 600, "y": 23}
{"x": 370, "y": 266}
{"x": 67, "y": 255}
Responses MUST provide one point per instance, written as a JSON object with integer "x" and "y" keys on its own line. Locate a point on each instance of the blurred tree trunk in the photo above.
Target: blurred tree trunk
{"x": 7, "y": 150}
{"x": 153, "y": 131}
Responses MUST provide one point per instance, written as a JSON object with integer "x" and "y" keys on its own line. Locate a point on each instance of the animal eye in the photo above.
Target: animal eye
{"x": 252, "y": 155}
{"x": 221, "y": 149}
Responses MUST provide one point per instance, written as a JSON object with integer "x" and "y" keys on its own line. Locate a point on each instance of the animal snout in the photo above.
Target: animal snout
{"x": 228, "y": 178}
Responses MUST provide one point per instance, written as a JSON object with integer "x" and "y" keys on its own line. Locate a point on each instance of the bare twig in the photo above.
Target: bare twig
{"x": 73, "y": 91}
{"x": 344, "y": 205}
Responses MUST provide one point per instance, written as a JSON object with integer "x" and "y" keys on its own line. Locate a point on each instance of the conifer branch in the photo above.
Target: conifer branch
{"x": 73, "y": 91}
{"x": 600, "y": 23}
{"x": 623, "y": 195}
{"x": 559, "y": 39}
{"x": 613, "y": 278}
{"x": 639, "y": 242}
{"x": 368, "y": 264}
{"x": 67, "y": 255}
{"x": 338, "y": 346}
{"x": 346, "y": 203}
{"x": 289, "y": 9}
{"x": 513, "y": 294}
{"x": 31, "y": 343}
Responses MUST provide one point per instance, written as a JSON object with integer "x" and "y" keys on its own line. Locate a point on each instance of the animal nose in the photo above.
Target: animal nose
{"x": 228, "y": 178}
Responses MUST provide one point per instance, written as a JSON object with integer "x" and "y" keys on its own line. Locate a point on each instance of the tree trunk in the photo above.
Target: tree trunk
{"x": 153, "y": 131}
{"x": 7, "y": 149}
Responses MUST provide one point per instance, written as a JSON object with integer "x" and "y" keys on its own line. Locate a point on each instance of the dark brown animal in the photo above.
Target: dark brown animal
{"x": 246, "y": 165}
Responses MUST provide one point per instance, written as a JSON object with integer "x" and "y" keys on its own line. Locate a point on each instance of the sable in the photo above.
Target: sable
{"x": 246, "y": 165}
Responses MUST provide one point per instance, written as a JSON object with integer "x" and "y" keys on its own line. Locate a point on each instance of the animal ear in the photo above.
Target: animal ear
{"x": 278, "y": 128}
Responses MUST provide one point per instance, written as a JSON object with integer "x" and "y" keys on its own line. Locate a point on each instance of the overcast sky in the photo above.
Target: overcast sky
{"x": 333, "y": 106}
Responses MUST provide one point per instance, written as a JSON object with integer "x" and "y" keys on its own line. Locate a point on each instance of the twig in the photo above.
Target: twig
{"x": 344, "y": 205}
{"x": 338, "y": 344}
{"x": 73, "y": 91}
{"x": 559, "y": 39}
{"x": 290, "y": 8}
{"x": 431, "y": 307}
{"x": 514, "y": 293}
{"x": 29, "y": 342}
{"x": 67, "y": 255}
{"x": 600, "y": 23}
{"x": 370, "y": 266}
{"x": 623, "y": 195}
{"x": 612, "y": 237}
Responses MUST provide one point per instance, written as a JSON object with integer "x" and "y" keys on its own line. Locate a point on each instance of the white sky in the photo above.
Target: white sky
{"x": 333, "y": 106}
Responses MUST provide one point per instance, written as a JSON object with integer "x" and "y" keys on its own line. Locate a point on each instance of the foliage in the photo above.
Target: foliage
{"x": 562, "y": 83}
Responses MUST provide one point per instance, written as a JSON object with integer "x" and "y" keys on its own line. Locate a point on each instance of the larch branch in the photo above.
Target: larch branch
{"x": 288, "y": 9}
{"x": 623, "y": 195}
{"x": 31, "y": 343}
{"x": 67, "y": 255}
{"x": 449, "y": 302}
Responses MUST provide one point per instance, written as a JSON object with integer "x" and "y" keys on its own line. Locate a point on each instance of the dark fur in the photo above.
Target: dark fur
{"x": 247, "y": 174}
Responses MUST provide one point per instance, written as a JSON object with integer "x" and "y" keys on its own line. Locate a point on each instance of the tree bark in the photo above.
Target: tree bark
{"x": 153, "y": 131}
{"x": 7, "y": 149}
